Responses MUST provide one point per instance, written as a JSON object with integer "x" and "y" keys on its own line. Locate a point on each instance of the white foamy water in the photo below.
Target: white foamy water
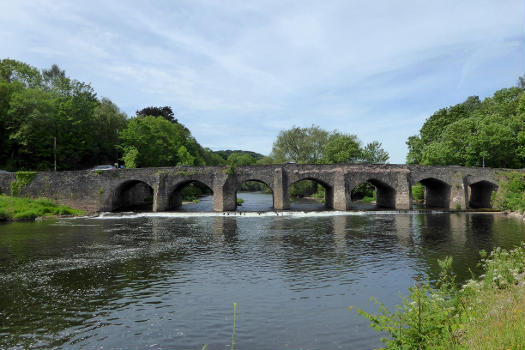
{"x": 326, "y": 213}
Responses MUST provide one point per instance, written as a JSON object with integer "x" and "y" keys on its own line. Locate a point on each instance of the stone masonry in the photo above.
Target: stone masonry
{"x": 451, "y": 187}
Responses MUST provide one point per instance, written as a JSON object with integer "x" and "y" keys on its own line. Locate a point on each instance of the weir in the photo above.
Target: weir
{"x": 159, "y": 189}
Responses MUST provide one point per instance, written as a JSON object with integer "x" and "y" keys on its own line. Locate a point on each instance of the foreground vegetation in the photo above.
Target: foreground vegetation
{"x": 16, "y": 208}
{"x": 485, "y": 313}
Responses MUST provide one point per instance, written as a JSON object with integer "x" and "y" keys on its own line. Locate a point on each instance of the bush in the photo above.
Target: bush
{"x": 418, "y": 192}
{"x": 23, "y": 179}
{"x": 511, "y": 193}
{"x": 445, "y": 317}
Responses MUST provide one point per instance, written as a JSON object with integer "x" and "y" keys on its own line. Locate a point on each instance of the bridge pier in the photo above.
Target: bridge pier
{"x": 458, "y": 197}
{"x": 224, "y": 193}
{"x": 160, "y": 194}
{"x": 339, "y": 193}
{"x": 281, "y": 198}
{"x": 403, "y": 192}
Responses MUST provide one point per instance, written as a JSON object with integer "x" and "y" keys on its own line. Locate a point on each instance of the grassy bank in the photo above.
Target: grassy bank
{"x": 16, "y": 208}
{"x": 486, "y": 313}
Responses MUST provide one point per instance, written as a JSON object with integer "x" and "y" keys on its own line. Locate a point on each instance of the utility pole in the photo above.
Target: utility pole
{"x": 55, "y": 151}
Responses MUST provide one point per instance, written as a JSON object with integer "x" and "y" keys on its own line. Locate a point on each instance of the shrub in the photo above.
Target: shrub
{"x": 418, "y": 192}
{"x": 511, "y": 193}
{"x": 23, "y": 179}
{"x": 445, "y": 317}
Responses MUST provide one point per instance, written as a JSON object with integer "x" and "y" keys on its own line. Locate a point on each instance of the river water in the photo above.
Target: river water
{"x": 170, "y": 280}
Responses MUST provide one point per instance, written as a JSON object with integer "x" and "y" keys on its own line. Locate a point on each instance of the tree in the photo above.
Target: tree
{"x": 185, "y": 158}
{"x": 157, "y": 141}
{"x": 373, "y": 153}
{"x": 108, "y": 120}
{"x": 165, "y": 112}
{"x": 473, "y": 133}
{"x": 56, "y": 79}
{"x": 342, "y": 148}
{"x": 31, "y": 126}
{"x": 521, "y": 82}
{"x": 240, "y": 159}
{"x": 300, "y": 145}
{"x": 12, "y": 70}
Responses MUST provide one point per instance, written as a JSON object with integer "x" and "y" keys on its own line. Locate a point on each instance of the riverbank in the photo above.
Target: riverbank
{"x": 485, "y": 313}
{"x": 17, "y": 208}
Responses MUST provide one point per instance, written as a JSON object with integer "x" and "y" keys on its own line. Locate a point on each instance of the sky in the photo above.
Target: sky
{"x": 238, "y": 72}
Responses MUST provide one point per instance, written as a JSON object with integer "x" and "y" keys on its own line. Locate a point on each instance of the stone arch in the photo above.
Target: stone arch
{"x": 437, "y": 192}
{"x": 175, "y": 193}
{"x": 133, "y": 194}
{"x": 480, "y": 194}
{"x": 328, "y": 189}
{"x": 241, "y": 182}
{"x": 253, "y": 179}
{"x": 385, "y": 193}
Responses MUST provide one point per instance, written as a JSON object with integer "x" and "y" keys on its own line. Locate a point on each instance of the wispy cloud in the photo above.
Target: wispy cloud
{"x": 237, "y": 72}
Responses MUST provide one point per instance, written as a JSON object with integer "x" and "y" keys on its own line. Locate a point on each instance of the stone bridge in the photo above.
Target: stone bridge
{"x": 451, "y": 187}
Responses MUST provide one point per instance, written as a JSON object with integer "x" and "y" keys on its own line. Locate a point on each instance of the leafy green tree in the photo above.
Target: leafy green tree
{"x": 55, "y": 79}
{"x": 7, "y": 89}
{"x": 185, "y": 158}
{"x": 12, "y": 70}
{"x": 239, "y": 159}
{"x": 300, "y": 145}
{"x": 373, "y": 153}
{"x": 157, "y": 141}
{"x": 211, "y": 158}
{"x": 474, "y": 133}
{"x": 265, "y": 161}
{"x": 131, "y": 154}
{"x": 76, "y": 144}
{"x": 165, "y": 112}
{"x": 226, "y": 153}
{"x": 108, "y": 120}
{"x": 342, "y": 148}
{"x": 31, "y": 128}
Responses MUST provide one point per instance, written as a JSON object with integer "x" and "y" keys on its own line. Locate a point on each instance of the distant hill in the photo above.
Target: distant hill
{"x": 226, "y": 153}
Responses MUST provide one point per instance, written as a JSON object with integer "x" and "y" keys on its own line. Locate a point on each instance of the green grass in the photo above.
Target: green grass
{"x": 485, "y": 313}
{"x": 16, "y": 208}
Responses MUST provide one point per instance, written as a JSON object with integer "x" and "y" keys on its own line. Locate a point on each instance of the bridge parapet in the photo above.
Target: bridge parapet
{"x": 446, "y": 187}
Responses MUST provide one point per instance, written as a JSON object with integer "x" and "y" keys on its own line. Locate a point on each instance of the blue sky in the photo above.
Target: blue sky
{"x": 238, "y": 72}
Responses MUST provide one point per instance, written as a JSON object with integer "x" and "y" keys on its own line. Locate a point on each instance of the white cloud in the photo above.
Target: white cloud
{"x": 353, "y": 65}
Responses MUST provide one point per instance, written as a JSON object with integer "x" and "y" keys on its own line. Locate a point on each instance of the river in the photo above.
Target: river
{"x": 169, "y": 280}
